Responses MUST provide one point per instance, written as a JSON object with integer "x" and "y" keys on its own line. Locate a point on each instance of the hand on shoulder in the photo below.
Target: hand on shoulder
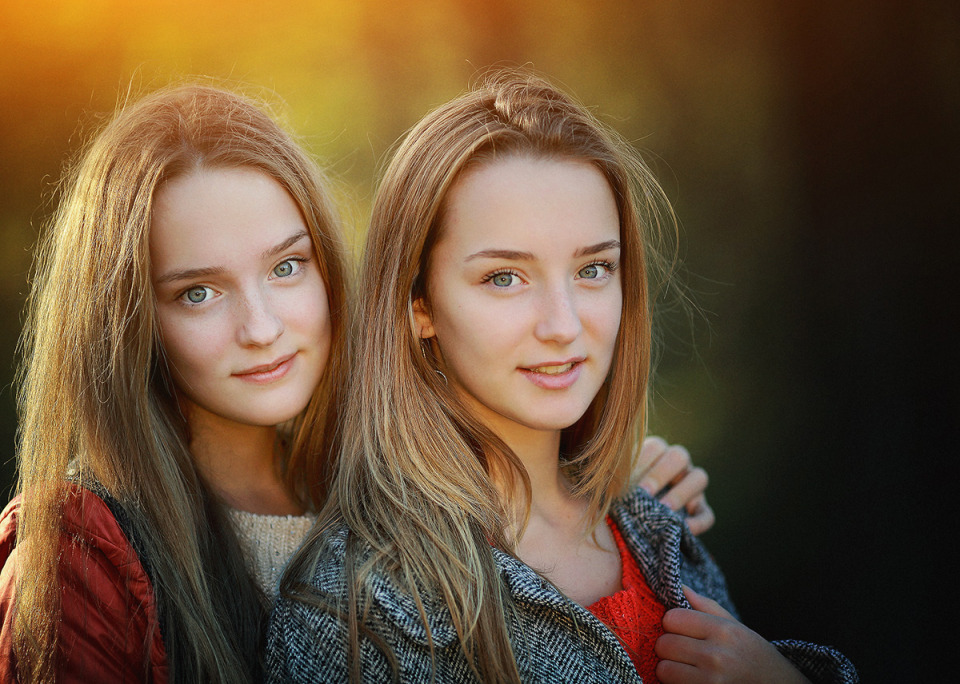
{"x": 668, "y": 473}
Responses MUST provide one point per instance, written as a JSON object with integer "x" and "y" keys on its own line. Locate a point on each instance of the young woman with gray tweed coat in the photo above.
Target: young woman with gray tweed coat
{"x": 482, "y": 526}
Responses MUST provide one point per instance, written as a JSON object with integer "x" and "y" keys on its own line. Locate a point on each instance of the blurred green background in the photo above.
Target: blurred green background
{"x": 810, "y": 149}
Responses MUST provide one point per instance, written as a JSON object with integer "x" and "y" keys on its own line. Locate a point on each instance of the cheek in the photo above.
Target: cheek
{"x": 309, "y": 312}
{"x": 191, "y": 350}
{"x": 470, "y": 336}
{"x": 606, "y": 322}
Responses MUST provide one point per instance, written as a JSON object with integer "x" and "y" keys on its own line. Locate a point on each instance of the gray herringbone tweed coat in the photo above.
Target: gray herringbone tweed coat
{"x": 554, "y": 639}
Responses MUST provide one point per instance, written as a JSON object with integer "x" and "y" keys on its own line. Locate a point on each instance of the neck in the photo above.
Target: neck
{"x": 550, "y": 498}
{"x": 557, "y": 539}
{"x": 239, "y": 463}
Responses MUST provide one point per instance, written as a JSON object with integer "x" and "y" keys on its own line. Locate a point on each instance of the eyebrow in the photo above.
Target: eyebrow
{"x": 514, "y": 255}
{"x": 510, "y": 254}
{"x": 597, "y": 248}
{"x": 189, "y": 274}
{"x": 289, "y": 242}
{"x": 206, "y": 271}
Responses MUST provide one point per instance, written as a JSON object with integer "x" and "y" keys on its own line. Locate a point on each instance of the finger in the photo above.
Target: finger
{"x": 670, "y": 466}
{"x": 700, "y": 516}
{"x": 686, "y": 622}
{"x": 706, "y": 605}
{"x": 678, "y": 458}
{"x": 677, "y": 648}
{"x": 671, "y": 672}
{"x": 691, "y": 484}
{"x": 651, "y": 450}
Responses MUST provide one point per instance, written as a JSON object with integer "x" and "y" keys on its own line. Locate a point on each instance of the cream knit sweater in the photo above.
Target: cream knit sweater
{"x": 269, "y": 541}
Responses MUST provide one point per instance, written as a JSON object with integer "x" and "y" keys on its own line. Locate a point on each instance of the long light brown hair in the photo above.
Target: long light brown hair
{"x": 414, "y": 479}
{"x": 96, "y": 395}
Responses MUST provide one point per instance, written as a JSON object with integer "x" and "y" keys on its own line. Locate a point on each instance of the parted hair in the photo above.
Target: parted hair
{"x": 96, "y": 397}
{"x": 416, "y": 478}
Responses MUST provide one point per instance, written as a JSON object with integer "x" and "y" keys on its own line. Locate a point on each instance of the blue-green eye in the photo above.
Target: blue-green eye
{"x": 594, "y": 271}
{"x": 590, "y": 271}
{"x": 197, "y": 294}
{"x": 502, "y": 279}
{"x": 284, "y": 268}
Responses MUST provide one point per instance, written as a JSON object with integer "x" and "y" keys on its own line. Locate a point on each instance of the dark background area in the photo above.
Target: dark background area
{"x": 811, "y": 150}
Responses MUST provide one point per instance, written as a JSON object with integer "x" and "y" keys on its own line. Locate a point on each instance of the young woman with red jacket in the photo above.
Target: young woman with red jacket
{"x": 184, "y": 352}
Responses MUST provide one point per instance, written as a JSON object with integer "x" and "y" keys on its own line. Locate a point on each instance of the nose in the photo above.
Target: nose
{"x": 260, "y": 326}
{"x": 558, "y": 319}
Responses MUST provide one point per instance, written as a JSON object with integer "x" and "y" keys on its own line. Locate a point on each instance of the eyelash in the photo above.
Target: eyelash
{"x": 300, "y": 259}
{"x": 506, "y": 271}
{"x": 182, "y": 297}
{"x": 610, "y": 267}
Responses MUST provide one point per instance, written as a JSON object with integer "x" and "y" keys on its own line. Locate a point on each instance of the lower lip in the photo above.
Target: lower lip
{"x": 553, "y": 382}
{"x": 266, "y": 377}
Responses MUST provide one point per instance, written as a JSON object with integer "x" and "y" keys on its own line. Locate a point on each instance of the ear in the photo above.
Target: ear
{"x": 423, "y": 320}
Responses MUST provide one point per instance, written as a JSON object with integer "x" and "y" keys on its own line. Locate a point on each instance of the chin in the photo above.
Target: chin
{"x": 273, "y": 415}
{"x": 552, "y": 423}
{"x": 559, "y": 418}
{"x": 280, "y": 417}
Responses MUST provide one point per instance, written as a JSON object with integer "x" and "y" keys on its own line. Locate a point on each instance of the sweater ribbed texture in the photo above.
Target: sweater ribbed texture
{"x": 269, "y": 541}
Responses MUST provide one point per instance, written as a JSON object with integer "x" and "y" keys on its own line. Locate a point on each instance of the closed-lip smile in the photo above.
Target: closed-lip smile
{"x": 267, "y": 372}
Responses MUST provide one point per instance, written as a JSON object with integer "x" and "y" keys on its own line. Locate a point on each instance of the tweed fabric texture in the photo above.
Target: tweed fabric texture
{"x": 553, "y": 638}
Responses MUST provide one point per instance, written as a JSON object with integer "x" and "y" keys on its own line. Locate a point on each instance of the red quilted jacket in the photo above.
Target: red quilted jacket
{"x": 109, "y": 630}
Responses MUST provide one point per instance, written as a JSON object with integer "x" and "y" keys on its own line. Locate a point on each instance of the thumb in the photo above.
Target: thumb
{"x": 705, "y": 605}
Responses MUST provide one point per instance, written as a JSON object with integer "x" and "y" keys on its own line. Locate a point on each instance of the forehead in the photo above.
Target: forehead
{"x": 219, "y": 214}
{"x": 527, "y": 202}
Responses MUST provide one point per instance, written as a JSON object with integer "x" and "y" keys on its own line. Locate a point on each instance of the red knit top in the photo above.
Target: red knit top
{"x": 634, "y": 613}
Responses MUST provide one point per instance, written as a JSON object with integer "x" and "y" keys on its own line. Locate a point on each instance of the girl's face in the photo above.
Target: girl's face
{"x": 241, "y": 304}
{"x": 524, "y": 293}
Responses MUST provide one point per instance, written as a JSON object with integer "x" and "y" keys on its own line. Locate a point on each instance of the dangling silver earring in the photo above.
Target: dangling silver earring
{"x": 424, "y": 343}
